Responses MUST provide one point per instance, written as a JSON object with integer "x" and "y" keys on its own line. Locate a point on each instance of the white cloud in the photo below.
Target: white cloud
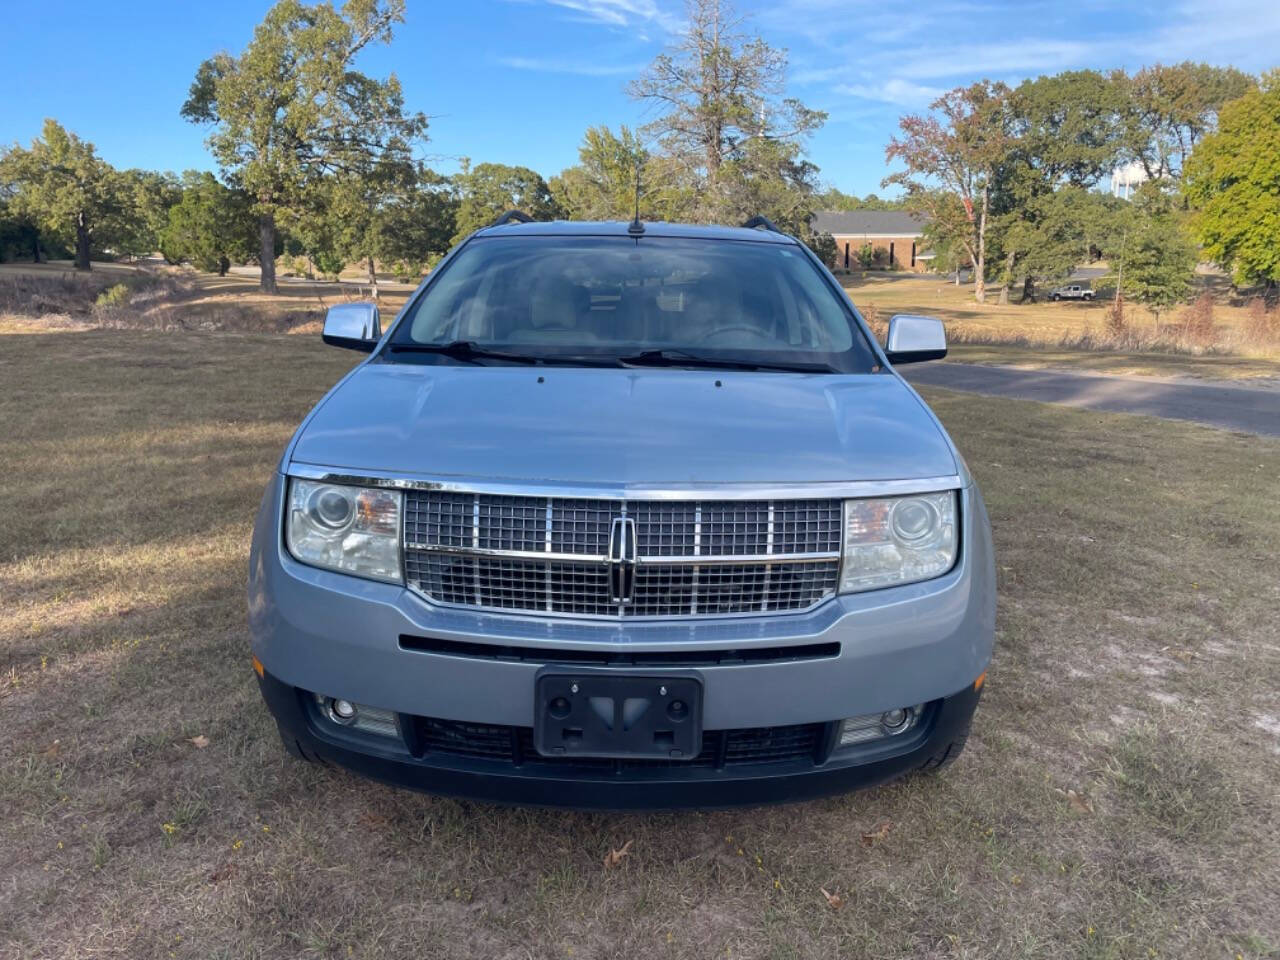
{"x": 621, "y": 13}
{"x": 574, "y": 67}
{"x": 895, "y": 90}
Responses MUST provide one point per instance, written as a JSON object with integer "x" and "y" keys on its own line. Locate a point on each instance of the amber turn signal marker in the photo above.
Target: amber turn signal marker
{"x": 257, "y": 666}
{"x": 977, "y": 684}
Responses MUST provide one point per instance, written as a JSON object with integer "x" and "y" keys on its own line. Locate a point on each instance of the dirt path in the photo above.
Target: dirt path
{"x": 1229, "y": 407}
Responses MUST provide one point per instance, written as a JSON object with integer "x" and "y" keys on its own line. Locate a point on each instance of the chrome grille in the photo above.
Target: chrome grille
{"x": 690, "y": 558}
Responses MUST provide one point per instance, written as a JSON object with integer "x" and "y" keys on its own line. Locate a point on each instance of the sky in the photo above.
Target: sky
{"x": 518, "y": 81}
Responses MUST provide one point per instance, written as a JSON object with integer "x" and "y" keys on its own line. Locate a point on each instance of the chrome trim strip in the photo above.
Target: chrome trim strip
{"x": 654, "y": 560}
{"x": 615, "y": 617}
{"x": 694, "y": 491}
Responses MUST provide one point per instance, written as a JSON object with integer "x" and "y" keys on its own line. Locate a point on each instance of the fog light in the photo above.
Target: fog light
{"x": 358, "y": 716}
{"x": 893, "y": 720}
{"x": 878, "y": 726}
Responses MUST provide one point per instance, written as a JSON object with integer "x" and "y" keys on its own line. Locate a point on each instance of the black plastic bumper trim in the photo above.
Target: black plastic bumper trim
{"x": 609, "y": 658}
{"x": 544, "y": 785}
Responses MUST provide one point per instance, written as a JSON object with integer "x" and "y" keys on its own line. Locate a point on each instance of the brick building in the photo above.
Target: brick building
{"x": 900, "y": 235}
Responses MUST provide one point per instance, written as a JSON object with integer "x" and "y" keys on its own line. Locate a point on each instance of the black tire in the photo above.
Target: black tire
{"x": 948, "y": 754}
{"x": 1054, "y": 297}
{"x": 1088, "y": 296}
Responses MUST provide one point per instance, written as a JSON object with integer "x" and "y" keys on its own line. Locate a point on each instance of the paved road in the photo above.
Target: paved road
{"x": 1247, "y": 409}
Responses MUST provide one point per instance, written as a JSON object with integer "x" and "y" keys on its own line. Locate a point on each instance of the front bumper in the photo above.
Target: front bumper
{"x": 520, "y": 777}
{"x": 379, "y": 644}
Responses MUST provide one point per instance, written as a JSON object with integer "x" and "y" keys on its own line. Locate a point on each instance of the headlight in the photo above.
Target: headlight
{"x": 898, "y": 540}
{"x": 349, "y": 529}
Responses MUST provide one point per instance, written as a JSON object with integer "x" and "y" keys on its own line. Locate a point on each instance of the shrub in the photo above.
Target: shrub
{"x": 1197, "y": 321}
{"x": 1263, "y": 325}
{"x": 824, "y": 246}
{"x": 866, "y": 256}
{"x": 1116, "y": 324}
{"x": 114, "y": 296}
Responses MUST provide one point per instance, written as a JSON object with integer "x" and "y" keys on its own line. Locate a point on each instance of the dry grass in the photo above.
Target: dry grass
{"x": 157, "y": 297}
{"x": 1190, "y": 339}
{"x": 1137, "y": 666}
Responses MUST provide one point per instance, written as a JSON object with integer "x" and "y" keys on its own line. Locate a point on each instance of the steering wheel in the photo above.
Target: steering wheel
{"x": 753, "y": 332}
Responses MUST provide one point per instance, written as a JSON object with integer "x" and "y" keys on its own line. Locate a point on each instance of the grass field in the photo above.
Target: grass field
{"x": 52, "y": 295}
{"x": 1118, "y": 798}
{"x": 1041, "y": 333}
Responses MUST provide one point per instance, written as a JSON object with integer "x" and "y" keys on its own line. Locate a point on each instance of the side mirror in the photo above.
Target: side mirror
{"x": 913, "y": 339}
{"x": 355, "y": 326}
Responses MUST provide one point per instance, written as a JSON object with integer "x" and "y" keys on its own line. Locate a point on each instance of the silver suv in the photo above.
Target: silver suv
{"x": 625, "y": 516}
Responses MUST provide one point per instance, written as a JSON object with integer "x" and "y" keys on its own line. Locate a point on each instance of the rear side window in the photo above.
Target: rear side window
{"x": 615, "y": 296}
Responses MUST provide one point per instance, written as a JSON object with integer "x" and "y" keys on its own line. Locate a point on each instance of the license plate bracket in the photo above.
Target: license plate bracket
{"x": 617, "y": 715}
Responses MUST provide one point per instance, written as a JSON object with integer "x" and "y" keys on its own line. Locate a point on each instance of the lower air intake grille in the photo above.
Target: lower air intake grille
{"x": 720, "y": 748}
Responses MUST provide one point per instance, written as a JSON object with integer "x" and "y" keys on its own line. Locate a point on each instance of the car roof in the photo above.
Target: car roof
{"x": 618, "y": 228}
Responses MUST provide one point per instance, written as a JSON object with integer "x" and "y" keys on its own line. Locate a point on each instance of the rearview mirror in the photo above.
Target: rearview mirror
{"x": 354, "y": 326}
{"x": 913, "y": 339}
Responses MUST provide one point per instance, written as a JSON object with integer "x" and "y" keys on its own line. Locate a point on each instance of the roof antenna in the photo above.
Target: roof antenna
{"x": 635, "y": 228}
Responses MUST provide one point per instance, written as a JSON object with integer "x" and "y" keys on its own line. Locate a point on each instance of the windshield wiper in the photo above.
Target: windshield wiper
{"x": 680, "y": 358}
{"x": 471, "y": 351}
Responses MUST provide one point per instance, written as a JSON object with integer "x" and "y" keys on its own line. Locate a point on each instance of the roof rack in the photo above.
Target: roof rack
{"x": 755, "y": 223}
{"x": 518, "y": 216}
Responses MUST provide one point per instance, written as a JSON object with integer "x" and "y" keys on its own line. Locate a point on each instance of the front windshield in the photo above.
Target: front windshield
{"x": 611, "y": 298}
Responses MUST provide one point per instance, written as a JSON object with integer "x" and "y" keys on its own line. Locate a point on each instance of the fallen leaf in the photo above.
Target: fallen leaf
{"x": 200, "y": 741}
{"x": 879, "y": 833}
{"x": 1079, "y": 802}
{"x": 52, "y": 749}
{"x": 614, "y": 857}
{"x": 834, "y": 900}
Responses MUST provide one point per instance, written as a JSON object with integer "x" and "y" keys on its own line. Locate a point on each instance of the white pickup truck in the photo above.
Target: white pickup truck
{"x": 1073, "y": 291}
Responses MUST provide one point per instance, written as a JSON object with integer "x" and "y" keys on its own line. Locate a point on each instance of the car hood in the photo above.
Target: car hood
{"x": 624, "y": 427}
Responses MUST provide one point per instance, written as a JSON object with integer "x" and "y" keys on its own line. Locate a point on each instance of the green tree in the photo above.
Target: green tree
{"x": 1066, "y": 134}
{"x": 212, "y": 225}
{"x": 1171, "y": 108}
{"x": 150, "y": 195}
{"x": 1054, "y": 232}
{"x": 723, "y": 114}
{"x": 1233, "y": 185}
{"x": 357, "y": 203}
{"x": 835, "y": 199}
{"x": 489, "y": 190}
{"x": 417, "y": 227}
{"x": 290, "y": 108}
{"x": 824, "y": 247}
{"x": 18, "y": 233}
{"x": 953, "y": 158}
{"x": 62, "y": 186}
{"x": 603, "y": 184}
{"x": 1156, "y": 258}
{"x": 771, "y": 178}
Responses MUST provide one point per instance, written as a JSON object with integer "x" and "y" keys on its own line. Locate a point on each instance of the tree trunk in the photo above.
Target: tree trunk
{"x": 267, "y": 251}
{"x": 224, "y": 265}
{"x": 980, "y": 262}
{"x": 1028, "y": 290}
{"x": 35, "y": 246}
{"x": 82, "y": 244}
{"x": 373, "y": 278}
